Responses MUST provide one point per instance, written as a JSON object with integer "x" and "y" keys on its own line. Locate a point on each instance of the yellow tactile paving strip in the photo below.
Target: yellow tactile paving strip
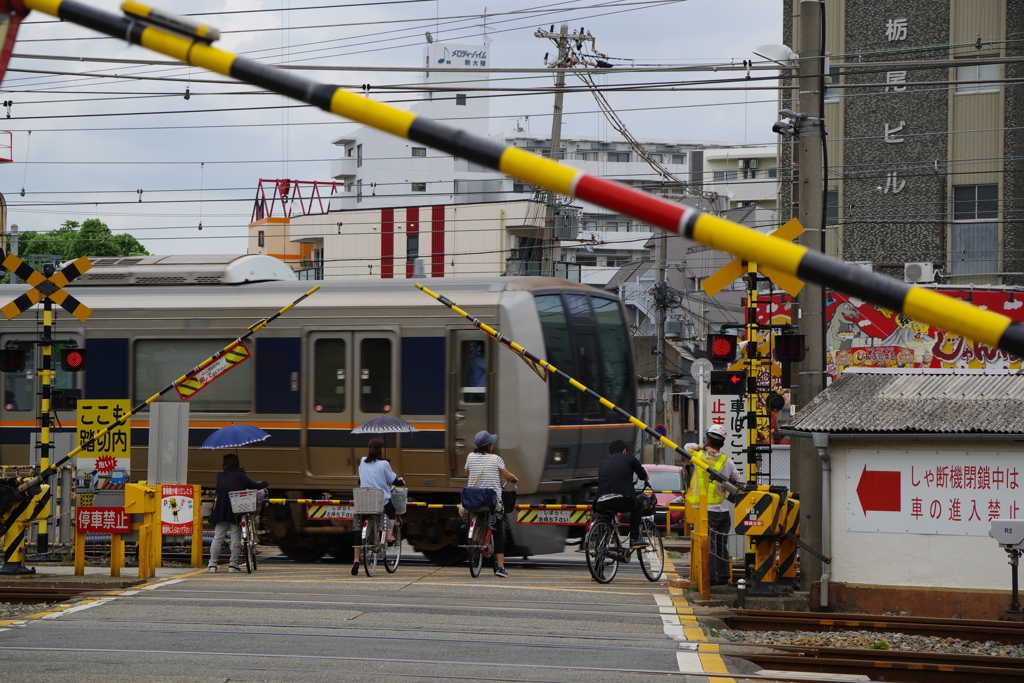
{"x": 707, "y": 652}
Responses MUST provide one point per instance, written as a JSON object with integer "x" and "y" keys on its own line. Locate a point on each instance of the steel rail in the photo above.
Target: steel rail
{"x": 697, "y": 460}
{"x": 934, "y": 308}
{"x": 253, "y": 329}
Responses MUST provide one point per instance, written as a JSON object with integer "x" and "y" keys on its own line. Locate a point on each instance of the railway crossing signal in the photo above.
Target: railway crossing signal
{"x": 48, "y": 288}
{"x": 728, "y": 382}
{"x": 724, "y": 276}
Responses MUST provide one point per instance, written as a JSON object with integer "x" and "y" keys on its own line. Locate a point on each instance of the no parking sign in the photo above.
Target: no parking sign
{"x": 176, "y": 510}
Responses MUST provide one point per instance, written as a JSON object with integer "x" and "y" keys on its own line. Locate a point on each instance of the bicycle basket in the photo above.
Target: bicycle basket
{"x": 367, "y": 501}
{"x": 243, "y": 501}
{"x": 647, "y": 502}
{"x": 399, "y": 498}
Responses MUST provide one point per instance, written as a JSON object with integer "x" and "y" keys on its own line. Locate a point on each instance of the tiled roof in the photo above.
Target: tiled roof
{"x": 917, "y": 402}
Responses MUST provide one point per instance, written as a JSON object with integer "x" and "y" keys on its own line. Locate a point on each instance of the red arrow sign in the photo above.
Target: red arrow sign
{"x": 735, "y": 379}
{"x": 879, "y": 491}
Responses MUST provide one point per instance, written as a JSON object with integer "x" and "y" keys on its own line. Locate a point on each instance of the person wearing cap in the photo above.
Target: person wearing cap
{"x": 615, "y": 492}
{"x": 485, "y": 469}
{"x": 719, "y": 523}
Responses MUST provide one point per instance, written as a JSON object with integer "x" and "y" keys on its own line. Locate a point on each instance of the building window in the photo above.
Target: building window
{"x": 260, "y": 239}
{"x": 974, "y": 234}
{"x": 773, "y": 173}
{"x": 586, "y": 156}
{"x": 725, "y": 176}
{"x": 657, "y": 158}
{"x": 460, "y": 100}
{"x": 832, "y": 207}
{"x": 970, "y": 78}
{"x": 359, "y": 190}
{"x": 519, "y": 187}
{"x": 618, "y": 156}
{"x": 359, "y": 155}
{"x": 678, "y": 158}
{"x": 831, "y": 90}
{"x": 419, "y": 151}
{"x": 586, "y": 259}
{"x": 412, "y": 247}
{"x": 419, "y": 187}
{"x": 350, "y": 151}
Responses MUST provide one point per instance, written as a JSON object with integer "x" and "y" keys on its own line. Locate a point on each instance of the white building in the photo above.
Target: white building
{"x": 381, "y": 177}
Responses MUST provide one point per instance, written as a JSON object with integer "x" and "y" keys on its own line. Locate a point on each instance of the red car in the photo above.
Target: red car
{"x": 668, "y": 478}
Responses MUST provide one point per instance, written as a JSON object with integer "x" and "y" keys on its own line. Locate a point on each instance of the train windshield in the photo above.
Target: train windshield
{"x": 585, "y": 336}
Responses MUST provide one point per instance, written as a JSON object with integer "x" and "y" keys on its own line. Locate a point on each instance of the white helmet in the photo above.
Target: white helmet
{"x": 717, "y": 431}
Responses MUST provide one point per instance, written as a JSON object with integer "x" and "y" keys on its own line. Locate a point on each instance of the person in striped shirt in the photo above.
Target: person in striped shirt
{"x": 485, "y": 469}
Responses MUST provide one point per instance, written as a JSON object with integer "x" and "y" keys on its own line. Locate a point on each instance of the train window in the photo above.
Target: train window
{"x": 329, "y": 376}
{"x": 558, "y": 346}
{"x": 375, "y": 375}
{"x": 473, "y": 371}
{"x": 158, "y": 359}
{"x": 590, "y": 370}
{"x": 578, "y": 306}
{"x": 618, "y": 383}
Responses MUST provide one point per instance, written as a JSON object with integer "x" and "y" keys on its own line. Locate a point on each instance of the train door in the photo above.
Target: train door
{"x": 375, "y": 391}
{"x": 470, "y": 379}
{"x": 329, "y": 405}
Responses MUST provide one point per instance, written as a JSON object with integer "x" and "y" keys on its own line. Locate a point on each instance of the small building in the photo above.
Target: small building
{"x": 915, "y": 465}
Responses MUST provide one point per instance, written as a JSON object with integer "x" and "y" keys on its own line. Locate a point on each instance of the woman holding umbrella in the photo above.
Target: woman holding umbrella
{"x": 375, "y": 472}
{"x": 223, "y": 519}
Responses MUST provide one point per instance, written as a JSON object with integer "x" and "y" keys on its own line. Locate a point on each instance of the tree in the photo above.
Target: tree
{"x": 70, "y": 241}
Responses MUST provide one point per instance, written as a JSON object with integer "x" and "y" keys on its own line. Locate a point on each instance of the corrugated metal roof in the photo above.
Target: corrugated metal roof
{"x": 916, "y": 402}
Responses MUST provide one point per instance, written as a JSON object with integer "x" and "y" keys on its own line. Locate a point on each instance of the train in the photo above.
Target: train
{"x": 354, "y": 350}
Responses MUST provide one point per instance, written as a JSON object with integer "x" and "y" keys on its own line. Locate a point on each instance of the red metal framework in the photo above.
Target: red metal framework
{"x": 286, "y": 198}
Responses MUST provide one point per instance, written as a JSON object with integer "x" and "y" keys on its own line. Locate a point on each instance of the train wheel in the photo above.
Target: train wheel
{"x": 447, "y": 556}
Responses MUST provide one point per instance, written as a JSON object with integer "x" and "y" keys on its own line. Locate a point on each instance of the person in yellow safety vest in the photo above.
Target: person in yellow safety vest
{"x": 719, "y": 522}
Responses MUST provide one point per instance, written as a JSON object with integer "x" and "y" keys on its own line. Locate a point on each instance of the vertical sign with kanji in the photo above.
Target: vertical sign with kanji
{"x": 107, "y": 461}
{"x": 176, "y": 510}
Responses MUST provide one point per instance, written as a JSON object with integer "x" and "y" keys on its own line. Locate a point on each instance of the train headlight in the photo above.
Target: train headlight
{"x": 558, "y": 456}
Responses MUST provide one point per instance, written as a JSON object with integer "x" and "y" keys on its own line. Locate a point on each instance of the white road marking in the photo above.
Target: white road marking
{"x": 687, "y": 661}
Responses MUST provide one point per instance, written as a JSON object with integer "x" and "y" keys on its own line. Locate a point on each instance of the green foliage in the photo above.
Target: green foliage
{"x": 70, "y": 241}
{"x": 880, "y": 645}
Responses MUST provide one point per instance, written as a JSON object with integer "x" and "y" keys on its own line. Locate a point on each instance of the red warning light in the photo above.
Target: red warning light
{"x": 722, "y": 346}
{"x": 72, "y": 360}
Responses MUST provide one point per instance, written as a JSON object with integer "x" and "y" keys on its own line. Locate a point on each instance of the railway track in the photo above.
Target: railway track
{"x": 1005, "y": 632}
{"x": 904, "y": 667}
{"x": 35, "y": 596}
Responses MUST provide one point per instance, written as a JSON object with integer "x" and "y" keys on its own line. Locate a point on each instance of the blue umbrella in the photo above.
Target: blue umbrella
{"x": 384, "y": 425}
{"x": 234, "y": 436}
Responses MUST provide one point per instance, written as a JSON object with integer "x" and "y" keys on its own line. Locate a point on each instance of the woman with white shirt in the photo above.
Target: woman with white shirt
{"x": 485, "y": 469}
{"x": 375, "y": 472}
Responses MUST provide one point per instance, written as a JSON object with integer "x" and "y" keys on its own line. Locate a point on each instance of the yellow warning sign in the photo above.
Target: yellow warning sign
{"x": 314, "y": 511}
{"x": 563, "y": 517}
{"x": 232, "y": 356}
{"x": 108, "y": 458}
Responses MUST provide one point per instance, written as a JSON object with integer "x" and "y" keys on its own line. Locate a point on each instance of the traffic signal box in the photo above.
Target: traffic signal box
{"x": 728, "y": 382}
{"x": 722, "y": 347}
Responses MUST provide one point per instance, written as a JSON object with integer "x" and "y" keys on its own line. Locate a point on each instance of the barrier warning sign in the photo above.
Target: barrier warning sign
{"x": 562, "y": 517}
{"x": 233, "y": 355}
{"x": 102, "y": 520}
{"x": 329, "y": 511}
{"x": 105, "y": 463}
{"x": 176, "y": 510}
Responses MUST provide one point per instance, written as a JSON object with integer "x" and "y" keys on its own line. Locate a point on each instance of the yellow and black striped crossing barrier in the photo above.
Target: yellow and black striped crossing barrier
{"x": 184, "y": 40}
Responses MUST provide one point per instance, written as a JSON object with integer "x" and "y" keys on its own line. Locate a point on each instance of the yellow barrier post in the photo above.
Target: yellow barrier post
{"x": 703, "y": 550}
{"x": 116, "y": 554}
{"x": 140, "y": 499}
{"x": 197, "y": 526}
{"x": 79, "y": 554}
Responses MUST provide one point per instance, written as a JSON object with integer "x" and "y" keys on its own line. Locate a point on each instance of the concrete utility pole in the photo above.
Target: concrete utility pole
{"x": 805, "y": 466}
{"x": 659, "y": 333}
{"x": 550, "y": 239}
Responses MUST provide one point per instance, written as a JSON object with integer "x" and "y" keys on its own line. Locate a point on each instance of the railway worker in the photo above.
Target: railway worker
{"x": 719, "y": 523}
{"x": 486, "y": 468}
{"x": 615, "y": 490}
{"x": 223, "y": 519}
{"x": 375, "y": 472}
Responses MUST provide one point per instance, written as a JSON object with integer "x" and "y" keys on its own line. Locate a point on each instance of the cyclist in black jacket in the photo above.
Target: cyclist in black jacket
{"x": 615, "y": 491}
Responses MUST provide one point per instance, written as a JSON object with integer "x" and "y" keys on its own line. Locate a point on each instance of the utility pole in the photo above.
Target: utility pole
{"x": 805, "y": 465}
{"x": 550, "y": 240}
{"x": 659, "y": 332}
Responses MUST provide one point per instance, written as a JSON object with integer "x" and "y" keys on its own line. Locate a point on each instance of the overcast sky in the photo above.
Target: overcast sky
{"x": 101, "y": 131}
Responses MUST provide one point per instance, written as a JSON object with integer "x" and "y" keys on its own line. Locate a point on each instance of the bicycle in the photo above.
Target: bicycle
{"x": 604, "y": 551}
{"x": 244, "y": 504}
{"x": 374, "y": 529}
{"x": 480, "y": 538}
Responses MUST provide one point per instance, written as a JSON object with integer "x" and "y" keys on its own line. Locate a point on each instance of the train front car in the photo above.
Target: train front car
{"x": 354, "y": 351}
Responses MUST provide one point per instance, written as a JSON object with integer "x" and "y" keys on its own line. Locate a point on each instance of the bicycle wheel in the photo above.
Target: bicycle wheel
{"x": 243, "y": 522}
{"x": 476, "y": 540}
{"x": 602, "y": 539}
{"x": 652, "y": 558}
{"x": 371, "y": 535}
{"x": 393, "y": 551}
{"x": 254, "y": 539}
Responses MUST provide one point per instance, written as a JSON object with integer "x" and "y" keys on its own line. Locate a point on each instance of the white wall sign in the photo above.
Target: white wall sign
{"x": 953, "y": 493}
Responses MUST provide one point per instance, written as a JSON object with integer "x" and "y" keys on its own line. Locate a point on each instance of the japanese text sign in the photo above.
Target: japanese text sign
{"x": 951, "y": 493}
{"x": 176, "y": 510}
{"x": 102, "y": 520}
{"x": 110, "y": 455}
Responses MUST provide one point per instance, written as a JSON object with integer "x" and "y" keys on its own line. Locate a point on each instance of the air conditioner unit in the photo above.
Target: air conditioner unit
{"x": 919, "y": 272}
{"x": 743, "y": 163}
{"x": 752, "y": 163}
